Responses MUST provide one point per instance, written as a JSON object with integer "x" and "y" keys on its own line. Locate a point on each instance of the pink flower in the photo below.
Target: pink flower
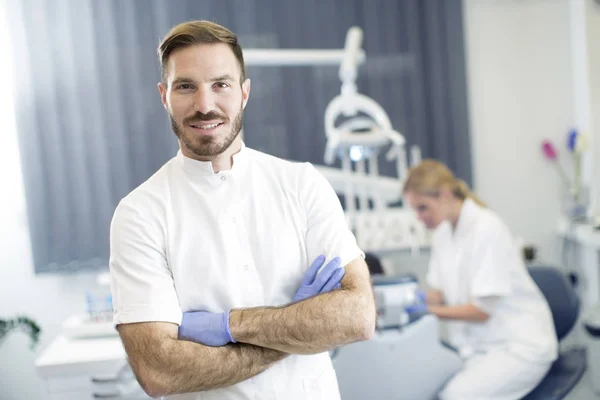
{"x": 551, "y": 154}
{"x": 549, "y": 150}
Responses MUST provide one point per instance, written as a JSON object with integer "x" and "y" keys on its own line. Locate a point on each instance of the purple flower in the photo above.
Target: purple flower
{"x": 572, "y": 140}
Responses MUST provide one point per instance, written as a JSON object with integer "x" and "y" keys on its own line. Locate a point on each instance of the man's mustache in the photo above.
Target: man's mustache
{"x": 200, "y": 117}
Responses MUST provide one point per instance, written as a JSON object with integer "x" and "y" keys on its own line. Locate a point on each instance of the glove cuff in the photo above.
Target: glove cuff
{"x": 231, "y": 339}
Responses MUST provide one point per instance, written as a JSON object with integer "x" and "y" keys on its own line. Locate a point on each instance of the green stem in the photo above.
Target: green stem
{"x": 577, "y": 180}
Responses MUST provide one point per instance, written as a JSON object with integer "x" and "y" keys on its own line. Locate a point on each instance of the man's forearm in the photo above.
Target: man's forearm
{"x": 465, "y": 312}
{"x": 177, "y": 366}
{"x": 314, "y": 325}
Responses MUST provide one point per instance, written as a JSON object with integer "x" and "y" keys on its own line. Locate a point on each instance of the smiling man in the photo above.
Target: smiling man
{"x": 206, "y": 110}
{"x": 215, "y": 259}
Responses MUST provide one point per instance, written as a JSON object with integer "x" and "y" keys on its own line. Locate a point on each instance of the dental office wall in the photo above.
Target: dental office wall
{"x": 592, "y": 17}
{"x": 519, "y": 90}
{"x": 47, "y": 299}
{"x": 92, "y": 127}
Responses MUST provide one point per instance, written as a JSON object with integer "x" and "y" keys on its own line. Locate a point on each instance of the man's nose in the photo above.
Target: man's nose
{"x": 204, "y": 101}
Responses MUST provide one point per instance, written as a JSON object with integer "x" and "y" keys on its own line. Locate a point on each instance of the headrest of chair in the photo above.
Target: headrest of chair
{"x": 560, "y": 295}
{"x": 374, "y": 264}
{"x": 384, "y": 280}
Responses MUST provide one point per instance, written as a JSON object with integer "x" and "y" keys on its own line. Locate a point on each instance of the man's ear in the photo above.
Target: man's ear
{"x": 245, "y": 92}
{"x": 162, "y": 89}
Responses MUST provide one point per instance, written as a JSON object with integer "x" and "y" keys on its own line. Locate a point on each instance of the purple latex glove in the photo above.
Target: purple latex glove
{"x": 420, "y": 304}
{"x": 327, "y": 280}
{"x": 211, "y": 329}
{"x": 421, "y": 296}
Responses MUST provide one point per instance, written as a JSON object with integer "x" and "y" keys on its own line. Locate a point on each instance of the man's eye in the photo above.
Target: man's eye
{"x": 184, "y": 86}
{"x": 221, "y": 85}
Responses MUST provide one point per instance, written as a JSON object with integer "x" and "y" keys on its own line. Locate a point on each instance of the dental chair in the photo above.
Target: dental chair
{"x": 405, "y": 360}
{"x": 564, "y": 304}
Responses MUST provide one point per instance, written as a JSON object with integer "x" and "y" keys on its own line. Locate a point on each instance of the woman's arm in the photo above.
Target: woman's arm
{"x": 465, "y": 312}
{"x": 434, "y": 297}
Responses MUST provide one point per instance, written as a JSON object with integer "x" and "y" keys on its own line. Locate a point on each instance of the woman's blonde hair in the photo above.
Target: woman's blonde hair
{"x": 430, "y": 176}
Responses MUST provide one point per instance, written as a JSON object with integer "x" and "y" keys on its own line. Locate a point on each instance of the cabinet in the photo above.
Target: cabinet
{"x": 90, "y": 368}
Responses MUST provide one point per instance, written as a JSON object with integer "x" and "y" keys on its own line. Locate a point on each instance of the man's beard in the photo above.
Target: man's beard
{"x": 207, "y": 145}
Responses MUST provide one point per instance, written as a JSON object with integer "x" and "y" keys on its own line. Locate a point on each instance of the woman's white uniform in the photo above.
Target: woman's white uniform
{"x": 479, "y": 263}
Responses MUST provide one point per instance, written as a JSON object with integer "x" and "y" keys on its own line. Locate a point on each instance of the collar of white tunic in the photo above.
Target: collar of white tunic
{"x": 204, "y": 169}
{"x": 468, "y": 214}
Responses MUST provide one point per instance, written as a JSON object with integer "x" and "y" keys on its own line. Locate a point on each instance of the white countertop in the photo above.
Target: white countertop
{"x": 584, "y": 234}
{"x": 90, "y": 356}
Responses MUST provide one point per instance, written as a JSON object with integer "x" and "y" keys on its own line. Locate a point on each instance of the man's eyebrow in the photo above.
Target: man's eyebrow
{"x": 226, "y": 78}
{"x": 221, "y": 78}
{"x": 182, "y": 79}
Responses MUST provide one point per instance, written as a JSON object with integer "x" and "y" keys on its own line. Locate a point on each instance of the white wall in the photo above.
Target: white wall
{"x": 46, "y": 299}
{"x": 592, "y": 10}
{"x": 520, "y": 92}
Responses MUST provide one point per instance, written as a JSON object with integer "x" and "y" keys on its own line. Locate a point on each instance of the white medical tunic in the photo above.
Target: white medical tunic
{"x": 192, "y": 239}
{"x": 479, "y": 263}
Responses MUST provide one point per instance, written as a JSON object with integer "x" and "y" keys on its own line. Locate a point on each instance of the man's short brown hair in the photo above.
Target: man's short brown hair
{"x": 194, "y": 33}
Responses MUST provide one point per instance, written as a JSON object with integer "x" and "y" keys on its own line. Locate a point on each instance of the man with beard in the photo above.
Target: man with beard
{"x": 213, "y": 286}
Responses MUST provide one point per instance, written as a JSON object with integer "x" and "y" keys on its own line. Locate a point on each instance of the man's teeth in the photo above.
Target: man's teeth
{"x": 206, "y": 126}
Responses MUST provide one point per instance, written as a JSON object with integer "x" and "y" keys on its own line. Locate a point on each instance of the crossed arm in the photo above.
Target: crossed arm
{"x": 316, "y": 324}
{"x": 165, "y": 365}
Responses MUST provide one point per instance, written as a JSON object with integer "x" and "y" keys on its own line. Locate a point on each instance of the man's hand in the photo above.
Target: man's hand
{"x": 317, "y": 324}
{"x": 210, "y": 329}
{"x": 329, "y": 278}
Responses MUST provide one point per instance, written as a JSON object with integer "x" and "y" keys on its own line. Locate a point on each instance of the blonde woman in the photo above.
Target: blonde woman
{"x": 498, "y": 319}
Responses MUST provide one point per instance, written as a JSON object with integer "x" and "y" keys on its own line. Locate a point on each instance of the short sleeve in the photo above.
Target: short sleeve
{"x": 141, "y": 281}
{"x": 327, "y": 230}
{"x": 487, "y": 304}
{"x": 490, "y": 268}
